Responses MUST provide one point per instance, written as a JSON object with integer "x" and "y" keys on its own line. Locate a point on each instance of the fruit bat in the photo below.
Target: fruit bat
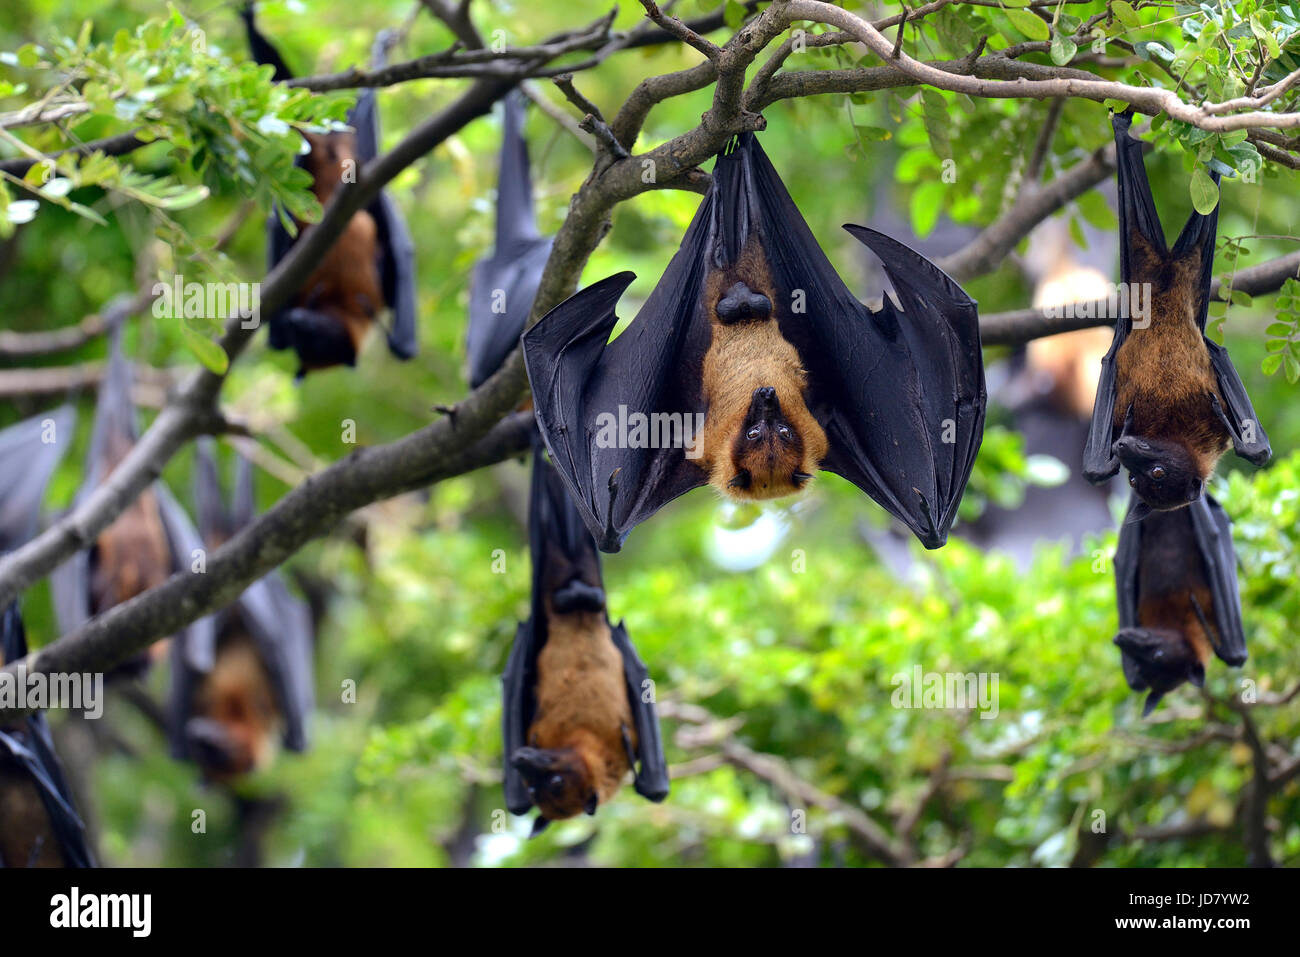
{"x": 1169, "y": 402}
{"x": 753, "y": 366}
{"x": 246, "y": 684}
{"x": 504, "y": 284}
{"x": 369, "y": 267}
{"x": 149, "y": 541}
{"x": 29, "y": 452}
{"x": 578, "y": 710}
{"x": 1176, "y": 584}
{"x": 39, "y": 824}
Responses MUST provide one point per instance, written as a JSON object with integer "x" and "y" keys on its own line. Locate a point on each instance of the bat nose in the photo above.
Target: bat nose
{"x": 764, "y": 402}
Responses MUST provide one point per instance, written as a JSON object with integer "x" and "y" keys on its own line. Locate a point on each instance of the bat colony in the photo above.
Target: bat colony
{"x": 749, "y": 332}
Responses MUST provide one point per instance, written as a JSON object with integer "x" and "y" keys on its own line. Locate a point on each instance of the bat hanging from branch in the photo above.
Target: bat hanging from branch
{"x": 578, "y": 710}
{"x": 369, "y": 267}
{"x": 149, "y": 541}
{"x": 505, "y": 283}
{"x": 1176, "y": 584}
{"x": 39, "y": 824}
{"x": 751, "y": 366}
{"x": 247, "y": 684}
{"x": 1169, "y": 402}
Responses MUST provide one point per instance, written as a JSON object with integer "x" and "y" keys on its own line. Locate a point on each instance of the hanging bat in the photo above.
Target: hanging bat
{"x": 753, "y": 366}
{"x": 578, "y": 712}
{"x": 504, "y": 284}
{"x": 244, "y": 686}
{"x": 1176, "y": 583}
{"x": 149, "y": 541}
{"x": 29, "y": 452}
{"x": 1169, "y": 402}
{"x": 39, "y": 824}
{"x": 369, "y": 267}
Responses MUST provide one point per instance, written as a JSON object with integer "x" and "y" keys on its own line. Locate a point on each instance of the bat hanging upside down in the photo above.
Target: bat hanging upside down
{"x": 751, "y": 336}
{"x": 1169, "y": 402}
{"x": 578, "y": 704}
{"x": 1176, "y": 583}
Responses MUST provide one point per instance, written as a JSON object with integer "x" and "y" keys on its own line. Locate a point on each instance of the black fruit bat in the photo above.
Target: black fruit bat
{"x": 39, "y": 824}
{"x": 1176, "y": 583}
{"x": 29, "y": 452}
{"x": 504, "y": 284}
{"x": 578, "y": 707}
{"x": 751, "y": 366}
{"x": 1169, "y": 402}
{"x": 149, "y": 541}
{"x": 369, "y": 267}
{"x": 239, "y": 687}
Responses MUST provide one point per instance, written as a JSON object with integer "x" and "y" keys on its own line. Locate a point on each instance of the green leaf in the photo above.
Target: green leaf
{"x": 1125, "y": 13}
{"x": 1028, "y": 24}
{"x": 1063, "y": 49}
{"x": 1205, "y": 194}
{"x": 209, "y": 353}
{"x": 734, "y": 14}
{"x": 1271, "y": 363}
{"x": 927, "y": 201}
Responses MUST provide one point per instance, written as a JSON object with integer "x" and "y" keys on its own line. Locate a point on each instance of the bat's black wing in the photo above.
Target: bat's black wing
{"x": 1139, "y": 220}
{"x": 1213, "y": 533}
{"x": 29, "y": 452}
{"x": 900, "y": 393}
{"x": 652, "y": 775}
{"x": 519, "y": 704}
{"x": 505, "y": 283}
{"x": 31, "y": 748}
{"x": 396, "y": 251}
{"x": 1128, "y": 555}
{"x": 263, "y": 50}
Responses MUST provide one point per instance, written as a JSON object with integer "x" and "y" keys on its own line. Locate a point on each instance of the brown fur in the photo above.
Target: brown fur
{"x": 25, "y": 833}
{"x": 742, "y": 357}
{"x": 237, "y": 694}
{"x": 347, "y": 279}
{"x": 1175, "y": 610}
{"x": 582, "y": 707}
{"x": 1164, "y": 371}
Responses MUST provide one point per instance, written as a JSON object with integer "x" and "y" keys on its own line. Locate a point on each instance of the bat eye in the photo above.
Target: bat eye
{"x": 1132, "y": 480}
{"x": 556, "y": 782}
{"x": 532, "y": 791}
{"x": 1158, "y": 473}
{"x": 783, "y": 431}
{"x": 753, "y": 434}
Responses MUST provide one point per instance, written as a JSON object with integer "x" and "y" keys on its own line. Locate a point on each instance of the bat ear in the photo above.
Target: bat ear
{"x": 1139, "y": 511}
{"x": 1153, "y": 699}
{"x": 1197, "y": 675}
{"x": 592, "y": 802}
{"x": 539, "y": 824}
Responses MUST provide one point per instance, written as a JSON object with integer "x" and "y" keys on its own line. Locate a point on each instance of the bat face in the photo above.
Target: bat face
{"x": 26, "y": 838}
{"x": 332, "y": 156}
{"x": 767, "y": 455}
{"x": 559, "y": 781}
{"x": 235, "y": 723}
{"x": 1162, "y": 472}
{"x": 1163, "y": 660}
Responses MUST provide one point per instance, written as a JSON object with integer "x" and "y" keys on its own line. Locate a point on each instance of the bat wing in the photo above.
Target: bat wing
{"x": 30, "y": 747}
{"x": 396, "y": 251}
{"x": 505, "y": 283}
{"x": 583, "y": 388}
{"x": 652, "y": 776}
{"x": 280, "y": 625}
{"x": 1127, "y": 561}
{"x": 199, "y": 638}
{"x": 1248, "y": 437}
{"x": 29, "y": 452}
{"x": 264, "y": 52}
{"x": 900, "y": 394}
{"x": 518, "y": 706}
{"x": 1213, "y": 532}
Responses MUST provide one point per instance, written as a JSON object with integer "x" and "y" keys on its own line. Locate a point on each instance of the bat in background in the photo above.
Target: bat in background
{"x": 246, "y": 685}
{"x": 751, "y": 366}
{"x": 39, "y": 824}
{"x": 369, "y": 267}
{"x": 148, "y": 542}
{"x": 578, "y": 709}
{"x": 1176, "y": 584}
{"x": 1169, "y": 402}
{"x": 505, "y": 283}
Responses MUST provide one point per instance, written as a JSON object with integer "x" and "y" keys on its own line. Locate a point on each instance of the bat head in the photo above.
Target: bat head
{"x": 1164, "y": 473}
{"x": 333, "y": 157}
{"x": 558, "y": 780}
{"x": 1162, "y": 658}
{"x": 235, "y": 722}
{"x": 767, "y": 453}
